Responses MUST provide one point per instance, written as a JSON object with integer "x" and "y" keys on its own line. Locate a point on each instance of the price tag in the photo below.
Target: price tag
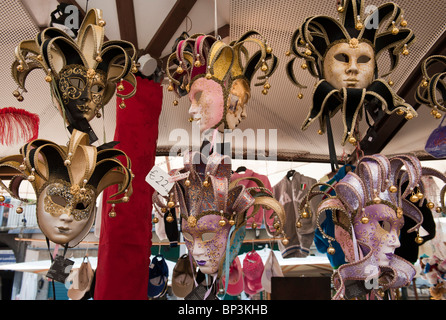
{"x": 160, "y": 181}
{"x": 60, "y": 269}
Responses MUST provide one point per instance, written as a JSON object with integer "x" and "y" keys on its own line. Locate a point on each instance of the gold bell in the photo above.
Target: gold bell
{"x": 285, "y": 241}
{"x": 48, "y": 78}
{"x": 180, "y": 70}
{"x": 331, "y": 251}
{"x": 340, "y": 9}
{"x": 399, "y": 212}
{"x": 122, "y": 105}
{"x": 231, "y": 221}
{"x": 430, "y": 205}
{"x": 403, "y": 23}
{"x": 267, "y": 86}
{"x": 197, "y": 63}
{"x": 393, "y": 189}
{"x": 170, "y": 87}
{"x": 414, "y": 198}
{"x": 390, "y": 83}
{"x": 420, "y": 195}
{"x": 120, "y": 87}
{"x": 305, "y": 214}
{"x": 377, "y": 200}
{"x": 163, "y": 209}
{"x": 438, "y": 115}
{"x": 112, "y": 212}
{"x": 352, "y": 140}
{"x": 424, "y": 83}
{"x": 405, "y": 50}
{"x": 155, "y": 220}
{"x": 31, "y": 178}
{"x": 205, "y": 183}
{"x": 276, "y": 225}
{"x": 187, "y": 183}
{"x": 359, "y": 25}
{"x": 16, "y": 93}
{"x": 39, "y": 57}
{"x": 20, "y": 98}
{"x": 222, "y": 222}
{"x": 269, "y": 49}
{"x": 2, "y": 198}
{"x": 20, "y": 68}
{"x": 67, "y": 162}
{"x": 409, "y": 116}
{"x": 265, "y": 92}
{"x": 300, "y": 95}
{"x": 304, "y": 66}
{"x": 419, "y": 239}
{"x": 364, "y": 220}
{"x": 438, "y": 210}
{"x": 98, "y": 58}
{"x": 102, "y": 23}
{"x": 254, "y": 225}
{"x": 169, "y": 218}
{"x": 395, "y": 30}
{"x": 171, "y": 204}
{"x": 264, "y": 67}
{"x": 287, "y": 53}
{"x": 208, "y": 76}
{"x": 320, "y": 132}
{"x": 399, "y": 112}
{"x": 175, "y": 102}
{"x": 308, "y": 52}
{"x": 299, "y": 224}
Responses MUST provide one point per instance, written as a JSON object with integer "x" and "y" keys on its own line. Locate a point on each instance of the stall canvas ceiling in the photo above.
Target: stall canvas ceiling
{"x": 153, "y": 27}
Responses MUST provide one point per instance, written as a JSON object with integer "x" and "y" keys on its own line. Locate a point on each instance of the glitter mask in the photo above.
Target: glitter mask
{"x": 82, "y": 90}
{"x": 213, "y": 209}
{"x": 83, "y": 73}
{"x": 206, "y": 241}
{"x": 61, "y": 198}
{"x": 67, "y": 180}
{"x": 368, "y": 214}
{"x": 239, "y": 96}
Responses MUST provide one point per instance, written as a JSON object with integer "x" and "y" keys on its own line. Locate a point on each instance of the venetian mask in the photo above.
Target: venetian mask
{"x": 206, "y": 240}
{"x": 65, "y": 212}
{"x": 350, "y": 65}
{"x": 381, "y": 232}
{"x": 82, "y": 90}
{"x": 207, "y": 103}
{"x": 236, "y": 104}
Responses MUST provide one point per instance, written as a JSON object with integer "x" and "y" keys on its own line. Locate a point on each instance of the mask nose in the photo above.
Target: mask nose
{"x": 352, "y": 67}
{"x": 66, "y": 216}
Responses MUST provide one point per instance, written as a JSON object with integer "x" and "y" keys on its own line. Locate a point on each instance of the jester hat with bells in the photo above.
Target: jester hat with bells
{"x": 432, "y": 89}
{"x": 213, "y": 210}
{"x": 368, "y": 214}
{"x": 82, "y": 72}
{"x": 329, "y": 46}
{"x": 202, "y": 57}
{"x": 67, "y": 181}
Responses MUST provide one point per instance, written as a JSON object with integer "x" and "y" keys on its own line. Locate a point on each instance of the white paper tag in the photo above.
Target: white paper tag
{"x": 159, "y": 180}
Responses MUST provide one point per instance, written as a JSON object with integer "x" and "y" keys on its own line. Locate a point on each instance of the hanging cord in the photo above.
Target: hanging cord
{"x": 215, "y": 20}
{"x": 188, "y": 29}
{"x": 86, "y": 7}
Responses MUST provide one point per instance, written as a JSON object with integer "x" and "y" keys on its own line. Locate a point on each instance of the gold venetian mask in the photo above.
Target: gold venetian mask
{"x": 82, "y": 90}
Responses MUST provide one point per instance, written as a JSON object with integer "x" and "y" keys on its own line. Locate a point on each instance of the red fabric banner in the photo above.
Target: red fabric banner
{"x": 125, "y": 240}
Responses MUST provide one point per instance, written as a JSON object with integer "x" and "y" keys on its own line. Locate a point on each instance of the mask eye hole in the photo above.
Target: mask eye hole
{"x": 81, "y": 206}
{"x": 342, "y": 57}
{"x": 188, "y": 237}
{"x": 385, "y": 225}
{"x": 364, "y": 59}
{"x": 58, "y": 200}
{"x": 77, "y": 82}
{"x": 97, "y": 88}
{"x": 207, "y": 236}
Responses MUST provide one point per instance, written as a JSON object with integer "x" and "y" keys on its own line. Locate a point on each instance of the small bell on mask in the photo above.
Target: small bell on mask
{"x": 112, "y": 212}
{"x": 222, "y": 221}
